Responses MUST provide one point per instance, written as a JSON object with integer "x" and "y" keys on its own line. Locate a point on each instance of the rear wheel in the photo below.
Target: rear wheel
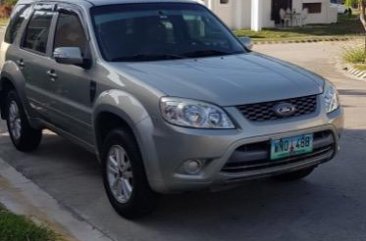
{"x": 293, "y": 176}
{"x": 124, "y": 176}
{"x": 24, "y": 137}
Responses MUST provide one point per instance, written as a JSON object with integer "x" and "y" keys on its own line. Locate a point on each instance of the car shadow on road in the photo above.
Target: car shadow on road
{"x": 331, "y": 197}
{"x": 326, "y": 203}
{"x": 351, "y": 92}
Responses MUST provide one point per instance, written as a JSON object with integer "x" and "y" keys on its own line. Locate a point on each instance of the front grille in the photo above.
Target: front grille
{"x": 265, "y": 111}
{"x": 256, "y": 156}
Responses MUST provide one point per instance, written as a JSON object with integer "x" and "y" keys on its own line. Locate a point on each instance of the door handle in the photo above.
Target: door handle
{"x": 52, "y": 74}
{"x": 20, "y": 63}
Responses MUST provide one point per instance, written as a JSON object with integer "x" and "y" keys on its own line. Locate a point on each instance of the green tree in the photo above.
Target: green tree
{"x": 351, "y": 3}
{"x": 362, "y": 7}
{"x": 10, "y": 2}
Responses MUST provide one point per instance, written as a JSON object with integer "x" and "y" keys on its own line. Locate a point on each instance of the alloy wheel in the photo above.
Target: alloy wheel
{"x": 15, "y": 122}
{"x": 119, "y": 174}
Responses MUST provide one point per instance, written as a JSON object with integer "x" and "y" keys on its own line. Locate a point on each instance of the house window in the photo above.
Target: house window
{"x": 313, "y": 7}
{"x": 224, "y": 1}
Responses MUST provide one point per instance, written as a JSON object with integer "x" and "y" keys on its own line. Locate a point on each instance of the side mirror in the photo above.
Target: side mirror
{"x": 247, "y": 42}
{"x": 69, "y": 55}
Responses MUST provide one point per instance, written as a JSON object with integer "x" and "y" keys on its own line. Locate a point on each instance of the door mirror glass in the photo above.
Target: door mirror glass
{"x": 69, "y": 55}
{"x": 247, "y": 42}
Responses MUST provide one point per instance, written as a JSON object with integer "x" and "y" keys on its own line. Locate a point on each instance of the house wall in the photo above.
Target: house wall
{"x": 225, "y": 11}
{"x": 237, "y": 13}
{"x": 246, "y": 14}
{"x": 267, "y": 12}
{"x": 328, "y": 14}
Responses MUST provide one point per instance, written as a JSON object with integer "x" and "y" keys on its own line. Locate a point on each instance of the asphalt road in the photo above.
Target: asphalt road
{"x": 329, "y": 205}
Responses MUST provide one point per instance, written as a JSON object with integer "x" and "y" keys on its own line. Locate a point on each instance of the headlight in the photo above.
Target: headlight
{"x": 194, "y": 114}
{"x": 331, "y": 98}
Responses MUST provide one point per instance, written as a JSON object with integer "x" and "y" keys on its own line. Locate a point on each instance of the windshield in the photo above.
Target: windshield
{"x": 158, "y": 31}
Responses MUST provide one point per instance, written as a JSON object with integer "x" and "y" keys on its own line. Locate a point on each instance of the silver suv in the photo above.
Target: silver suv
{"x": 164, "y": 94}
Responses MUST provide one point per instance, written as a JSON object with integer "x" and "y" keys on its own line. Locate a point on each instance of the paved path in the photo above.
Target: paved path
{"x": 329, "y": 205}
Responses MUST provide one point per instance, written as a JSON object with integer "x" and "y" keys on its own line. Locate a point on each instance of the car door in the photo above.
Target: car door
{"x": 74, "y": 85}
{"x": 33, "y": 58}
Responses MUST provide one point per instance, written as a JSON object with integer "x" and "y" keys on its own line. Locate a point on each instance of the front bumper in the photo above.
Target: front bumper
{"x": 167, "y": 147}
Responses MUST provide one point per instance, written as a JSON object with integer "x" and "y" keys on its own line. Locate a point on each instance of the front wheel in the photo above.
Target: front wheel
{"x": 124, "y": 176}
{"x": 296, "y": 175}
{"x": 24, "y": 137}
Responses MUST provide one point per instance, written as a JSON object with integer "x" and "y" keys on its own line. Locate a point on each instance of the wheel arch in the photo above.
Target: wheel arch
{"x": 123, "y": 109}
{"x": 12, "y": 78}
{"x": 105, "y": 122}
{"x": 5, "y": 86}
{"x": 116, "y": 108}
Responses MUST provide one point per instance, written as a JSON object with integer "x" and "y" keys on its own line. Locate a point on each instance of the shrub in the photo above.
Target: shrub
{"x": 355, "y": 55}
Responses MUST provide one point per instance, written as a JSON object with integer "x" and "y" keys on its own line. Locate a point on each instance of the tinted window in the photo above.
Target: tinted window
{"x": 37, "y": 32}
{"x": 16, "y": 20}
{"x": 70, "y": 32}
{"x": 143, "y": 32}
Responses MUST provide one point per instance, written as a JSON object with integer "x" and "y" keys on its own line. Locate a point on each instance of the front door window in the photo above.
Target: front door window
{"x": 70, "y": 33}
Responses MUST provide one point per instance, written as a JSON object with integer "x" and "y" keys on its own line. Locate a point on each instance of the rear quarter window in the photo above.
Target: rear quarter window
{"x": 17, "y": 18}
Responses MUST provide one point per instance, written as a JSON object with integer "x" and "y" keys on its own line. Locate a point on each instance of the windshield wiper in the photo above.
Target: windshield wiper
{"x": 146, "y": 57}
{"x": 209, "y": 52}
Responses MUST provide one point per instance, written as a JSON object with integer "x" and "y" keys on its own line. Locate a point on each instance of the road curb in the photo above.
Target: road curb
{"x": 315, "y": 40}
{"x": 359, "y": 74}
{"x": 21, "y": 196}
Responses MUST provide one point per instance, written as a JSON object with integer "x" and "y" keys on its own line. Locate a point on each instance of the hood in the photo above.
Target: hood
{"x": 226, "y": 81}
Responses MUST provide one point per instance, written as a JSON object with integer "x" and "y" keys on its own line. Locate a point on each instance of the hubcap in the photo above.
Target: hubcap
{"x": 15, "y": 123}
{"x": 119, "y": 173}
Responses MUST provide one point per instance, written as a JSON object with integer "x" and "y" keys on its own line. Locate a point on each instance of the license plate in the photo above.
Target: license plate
{"x": 291, "y": 146}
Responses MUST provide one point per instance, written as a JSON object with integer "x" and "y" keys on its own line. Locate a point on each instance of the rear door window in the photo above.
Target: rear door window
{"x": 37, "y": 32}
{"x": 16, "y": 20}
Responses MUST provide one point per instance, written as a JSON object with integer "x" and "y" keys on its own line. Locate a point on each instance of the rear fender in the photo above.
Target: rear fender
{"x": 13, "y": 74}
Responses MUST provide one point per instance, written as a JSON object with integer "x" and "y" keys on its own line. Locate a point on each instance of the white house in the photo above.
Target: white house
{"x": 258, "y": 14}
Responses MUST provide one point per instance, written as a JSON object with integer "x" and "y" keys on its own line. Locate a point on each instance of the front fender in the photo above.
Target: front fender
{"x": 132, "y": 111}
{"x": 122, "y": 104}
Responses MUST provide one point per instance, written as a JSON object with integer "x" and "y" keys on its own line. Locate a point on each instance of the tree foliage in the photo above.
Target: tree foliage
{"x": 363, "y": 13}
{"x": 351, "y": 3}
{"x": 362, "y": 7}
{"x": 10, "y": 2}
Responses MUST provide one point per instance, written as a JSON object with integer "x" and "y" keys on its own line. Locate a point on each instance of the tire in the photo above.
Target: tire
{"x": 123, "y": 170}
{"x": 24, "y": 137}
{"x": 293, "y": 176}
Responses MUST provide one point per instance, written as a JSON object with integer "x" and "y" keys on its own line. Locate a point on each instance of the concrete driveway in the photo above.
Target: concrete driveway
{"x": 328, "y": 205}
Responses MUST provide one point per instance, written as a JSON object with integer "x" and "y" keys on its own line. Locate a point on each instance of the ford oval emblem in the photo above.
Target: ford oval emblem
{"x": 284, "y": 109}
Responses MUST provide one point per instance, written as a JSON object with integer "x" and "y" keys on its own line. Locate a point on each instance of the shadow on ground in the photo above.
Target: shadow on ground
{"x": 347, "y": 92}
{"x": 325, "y": 206}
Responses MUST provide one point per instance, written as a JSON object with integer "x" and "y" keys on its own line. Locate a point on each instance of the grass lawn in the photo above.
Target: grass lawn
{"x": 346, "y": 27}
{"x": 361, "y": 67}
{"x": 18, "y": 228}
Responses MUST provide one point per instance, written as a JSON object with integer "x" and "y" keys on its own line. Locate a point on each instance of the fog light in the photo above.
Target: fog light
{"x": 193, "y": 167}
